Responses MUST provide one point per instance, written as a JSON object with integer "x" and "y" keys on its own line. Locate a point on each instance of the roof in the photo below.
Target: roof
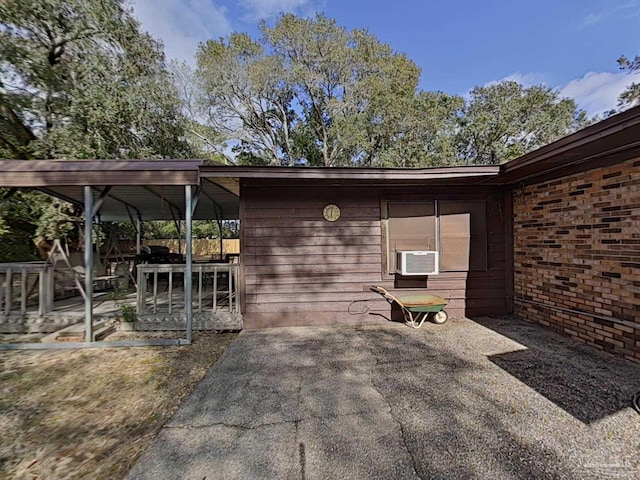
{"x": 154, "y": 189}
{"x": 612, "y": 140}
{"x": 458, "y": 175}
{"x": 149, "y": 189}
{"x": 52, "y": 173}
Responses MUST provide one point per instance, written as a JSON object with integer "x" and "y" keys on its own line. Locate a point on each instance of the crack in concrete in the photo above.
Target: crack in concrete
{"x": 414, "y": 463}
{"x": 268, "y": 424}
{"x": 296, "y": 424}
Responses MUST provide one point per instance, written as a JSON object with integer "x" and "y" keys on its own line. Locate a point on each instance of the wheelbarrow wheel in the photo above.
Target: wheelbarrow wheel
{"x": 440, "y": 317}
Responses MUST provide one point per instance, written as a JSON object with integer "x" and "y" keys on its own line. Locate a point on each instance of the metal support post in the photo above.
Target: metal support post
{"x": 188, "y": 307}
{"x": 88, "y": 264}
{"x": 138, "y": 235}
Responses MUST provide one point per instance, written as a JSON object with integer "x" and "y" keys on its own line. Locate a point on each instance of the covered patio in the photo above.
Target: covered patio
{"x": 171, "y": 291}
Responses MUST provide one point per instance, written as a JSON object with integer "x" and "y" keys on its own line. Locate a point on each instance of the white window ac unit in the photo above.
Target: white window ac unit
{"x": 418, "y": 262}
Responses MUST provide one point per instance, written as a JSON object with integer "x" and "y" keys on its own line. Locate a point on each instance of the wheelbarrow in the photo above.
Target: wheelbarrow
{"x": 417, "y": 308}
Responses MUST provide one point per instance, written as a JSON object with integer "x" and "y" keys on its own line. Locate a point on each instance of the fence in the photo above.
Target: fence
{"x": 202, "y": 247}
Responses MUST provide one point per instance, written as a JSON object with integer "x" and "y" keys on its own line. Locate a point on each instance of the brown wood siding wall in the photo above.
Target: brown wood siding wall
{"x": 302, "y": 270}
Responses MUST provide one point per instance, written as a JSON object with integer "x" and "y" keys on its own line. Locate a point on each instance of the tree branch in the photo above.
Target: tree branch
{"x": 23, "y": 133}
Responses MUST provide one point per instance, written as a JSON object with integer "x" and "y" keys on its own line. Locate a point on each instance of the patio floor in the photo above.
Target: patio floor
{"x": 488, "y": 398}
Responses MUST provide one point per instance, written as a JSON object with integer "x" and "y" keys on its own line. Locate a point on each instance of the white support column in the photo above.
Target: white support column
{"x": 88, "y": 264}
{"x": 188, "y": 307}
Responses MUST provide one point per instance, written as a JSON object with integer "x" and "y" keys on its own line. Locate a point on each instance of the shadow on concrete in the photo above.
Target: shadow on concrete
{"x": 381, "y": 401}
{"x": 454, "y": 421}
{"x": 584, "y": 382}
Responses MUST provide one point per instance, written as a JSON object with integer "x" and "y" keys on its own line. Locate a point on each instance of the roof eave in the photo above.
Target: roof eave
{"x": 355, "y": 174}
{"x": 583, "y": 147}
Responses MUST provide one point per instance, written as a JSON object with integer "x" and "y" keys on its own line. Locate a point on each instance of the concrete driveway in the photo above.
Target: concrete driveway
{"x": 468, "y": 399}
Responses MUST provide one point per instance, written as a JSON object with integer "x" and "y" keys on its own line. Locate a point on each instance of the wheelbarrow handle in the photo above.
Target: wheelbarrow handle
{"x": 388, "y": 296}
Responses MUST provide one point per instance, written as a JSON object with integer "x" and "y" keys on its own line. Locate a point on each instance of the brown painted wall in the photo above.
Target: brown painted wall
{"x": 577, "y": 247}
{"x": 301, "y": 270}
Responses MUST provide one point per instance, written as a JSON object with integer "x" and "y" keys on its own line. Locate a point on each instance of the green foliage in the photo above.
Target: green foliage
{"x": 129, "y": 313}
{"x": 204, "y": 139}
{"x": 58, "y": 220}
{"x": 17, "y": 230}
{"x": 79, "y": 80}
{"x": 506, "y": 120}
{"x": 425, "y": 134}
{"x": 631, "y": 96}
{"x": 119, "y": 293}
{"x": 167, "y": 229}
{"x": 310, "y": 92}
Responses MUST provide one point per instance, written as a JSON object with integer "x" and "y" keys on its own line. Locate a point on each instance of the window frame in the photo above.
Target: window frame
{"x": 436, "y": 200}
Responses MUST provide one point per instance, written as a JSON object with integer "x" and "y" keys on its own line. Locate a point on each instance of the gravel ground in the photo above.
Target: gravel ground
{"x": 490, "y": 398}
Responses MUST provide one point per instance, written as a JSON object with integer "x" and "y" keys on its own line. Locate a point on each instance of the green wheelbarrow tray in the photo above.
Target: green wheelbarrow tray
{"x": 416, "y": 308}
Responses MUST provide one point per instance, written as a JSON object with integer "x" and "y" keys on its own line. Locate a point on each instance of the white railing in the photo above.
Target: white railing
{"x": 215, "y": 288}
{"x": 24, "y": 277}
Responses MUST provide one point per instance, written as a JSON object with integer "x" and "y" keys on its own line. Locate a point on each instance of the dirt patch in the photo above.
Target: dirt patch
{"x": 91, "y": 413}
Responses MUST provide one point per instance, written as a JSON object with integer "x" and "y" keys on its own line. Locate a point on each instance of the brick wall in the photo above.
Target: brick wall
{"x": 577, "y": 249}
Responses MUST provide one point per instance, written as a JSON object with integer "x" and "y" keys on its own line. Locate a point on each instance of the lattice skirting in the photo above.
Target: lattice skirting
{"x": 203, "y": 321}
{"x": 223, "y": 321}
{"x": 34, "y": 323}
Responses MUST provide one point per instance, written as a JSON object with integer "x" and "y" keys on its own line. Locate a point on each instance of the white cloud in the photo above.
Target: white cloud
{"x": 524, "y": 79}
{"x": 611, "y": 12}
{"x": 182, "y": 24}
{"x": 597, "y": 92}
{"x": 592, "y": 19}
{"x": 266, "y": 9}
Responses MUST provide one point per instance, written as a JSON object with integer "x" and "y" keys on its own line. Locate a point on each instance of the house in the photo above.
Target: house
{"x": 552, "y": 237}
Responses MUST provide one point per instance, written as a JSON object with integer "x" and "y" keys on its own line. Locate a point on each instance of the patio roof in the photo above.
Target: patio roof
{"x": 150, "y": 190}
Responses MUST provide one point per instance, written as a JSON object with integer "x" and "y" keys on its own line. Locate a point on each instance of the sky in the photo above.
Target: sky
{"x": 569, "y": 45}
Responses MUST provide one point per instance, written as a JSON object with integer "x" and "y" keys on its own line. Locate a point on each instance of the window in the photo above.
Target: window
{"x": 457, "y": 229}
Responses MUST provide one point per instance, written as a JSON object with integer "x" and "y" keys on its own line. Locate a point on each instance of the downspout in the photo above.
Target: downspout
{"x": 437, "y": 210}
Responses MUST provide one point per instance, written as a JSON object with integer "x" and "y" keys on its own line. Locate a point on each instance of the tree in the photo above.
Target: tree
{"x": 348, "y": 85}
{"x": 506, "y": 120}
{"x": 204, "y": 139}
{"x": 631, "y": 96}
{"x": 79, "y": 80}
{"x": 425, "y": 134}
{"x": 246, "y": 96}
{"x": 308, "y": 92}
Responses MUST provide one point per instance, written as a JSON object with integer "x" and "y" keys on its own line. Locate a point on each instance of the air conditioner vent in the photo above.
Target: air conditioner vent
{"x": 417, "y": 262}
